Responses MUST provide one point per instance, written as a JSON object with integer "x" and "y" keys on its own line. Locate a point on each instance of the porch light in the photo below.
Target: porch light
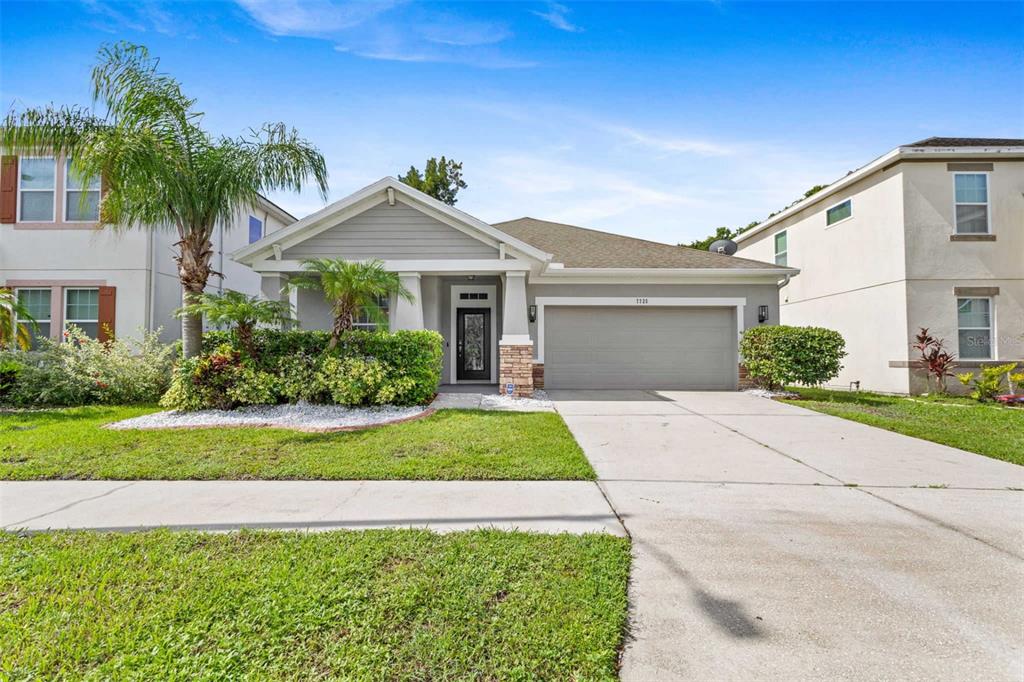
{"x": 762, "y": 313}
{"x": 532, "y": 314}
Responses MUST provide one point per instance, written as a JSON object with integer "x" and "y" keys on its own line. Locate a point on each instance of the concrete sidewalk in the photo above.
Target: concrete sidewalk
{"x": 541, "y": 506}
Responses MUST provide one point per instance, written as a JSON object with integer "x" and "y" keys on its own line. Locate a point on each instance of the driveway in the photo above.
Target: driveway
{"x": 772, "y": 542}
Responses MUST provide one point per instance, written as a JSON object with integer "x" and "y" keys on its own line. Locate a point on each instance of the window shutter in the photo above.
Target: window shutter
{"x": 108, "y": 304}
{"x": 8, "y": 190}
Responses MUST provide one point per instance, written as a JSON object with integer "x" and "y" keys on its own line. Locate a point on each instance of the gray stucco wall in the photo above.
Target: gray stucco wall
{"x": 397, "y": 232}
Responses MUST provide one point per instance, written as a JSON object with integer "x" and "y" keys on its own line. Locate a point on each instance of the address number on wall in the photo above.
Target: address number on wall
{"x": 641, "y": 301}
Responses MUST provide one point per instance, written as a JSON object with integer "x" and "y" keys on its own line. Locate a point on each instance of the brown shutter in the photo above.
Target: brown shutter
{"x": 108, "y": 303}
{"x": 8, "y": 190}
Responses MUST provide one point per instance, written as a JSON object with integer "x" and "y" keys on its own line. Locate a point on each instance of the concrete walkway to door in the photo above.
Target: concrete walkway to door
{"x": 772, "y": 542}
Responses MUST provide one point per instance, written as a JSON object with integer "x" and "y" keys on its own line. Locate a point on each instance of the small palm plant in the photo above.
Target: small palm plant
{"x": 351, "y": 288}
{"x": 12, "y": 332}
{"x": 242, "y": 311}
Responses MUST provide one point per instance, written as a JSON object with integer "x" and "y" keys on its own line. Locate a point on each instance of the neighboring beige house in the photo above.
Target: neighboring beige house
{"x": 929, "y": 235}
{"x": 529, "y": 302}
{"x": 67, "y": 271}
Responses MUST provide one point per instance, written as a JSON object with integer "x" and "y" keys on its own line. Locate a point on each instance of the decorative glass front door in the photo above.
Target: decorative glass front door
{"x": 473, "y": 352}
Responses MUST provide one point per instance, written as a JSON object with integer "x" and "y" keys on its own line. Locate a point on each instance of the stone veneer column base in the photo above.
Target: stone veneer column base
{"x": 746, "y": 381}
{"x": 515, "y": 366}
{"x": 538, "y": 374}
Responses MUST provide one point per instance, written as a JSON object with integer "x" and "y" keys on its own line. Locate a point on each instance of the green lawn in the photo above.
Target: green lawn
{"x": 449, "y": 445}
{"x": 989, "y": 430}
{"x": 390, "y": 604}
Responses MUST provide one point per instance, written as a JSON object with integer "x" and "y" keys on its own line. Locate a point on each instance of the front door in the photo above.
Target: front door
{"x": 473, "y": 352}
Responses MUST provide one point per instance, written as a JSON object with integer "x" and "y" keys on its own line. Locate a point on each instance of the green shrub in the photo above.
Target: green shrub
{"x": 988, "y": 383}
{"x": 779, "y": 355}
{"x": 9, "y": 370}
{"x": 366, "y": 368}
{"x": 82, "y": 371}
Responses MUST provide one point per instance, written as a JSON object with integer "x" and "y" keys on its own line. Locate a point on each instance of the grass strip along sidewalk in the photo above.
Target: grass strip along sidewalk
{"x": 389, "y": 604}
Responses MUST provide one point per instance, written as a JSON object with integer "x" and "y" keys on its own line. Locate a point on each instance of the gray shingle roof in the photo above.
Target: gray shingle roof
{"x": 579, "y": 247}
{"x": 967, "y": 142}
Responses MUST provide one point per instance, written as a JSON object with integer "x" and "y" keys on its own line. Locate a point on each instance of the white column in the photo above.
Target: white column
{"x": 272, "y": 286}
{"x": 515, "y": 326}
{"x": 408, "y": 314}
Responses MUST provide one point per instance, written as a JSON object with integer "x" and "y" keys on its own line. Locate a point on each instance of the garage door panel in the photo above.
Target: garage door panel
{"x": 595, "y": 347}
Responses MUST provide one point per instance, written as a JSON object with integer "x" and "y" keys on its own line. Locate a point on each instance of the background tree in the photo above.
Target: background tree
{"x": 720, "y": 233}
{"x": 351, "y": 288}
{"x": 441, "y": 179}
{"x": 241, "y": 311}
{"x": 159, "y": 168}
{"x": 12, "y": 332}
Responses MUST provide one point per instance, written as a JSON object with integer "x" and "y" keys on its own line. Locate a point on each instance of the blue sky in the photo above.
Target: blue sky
{"x": 657, "y": 120}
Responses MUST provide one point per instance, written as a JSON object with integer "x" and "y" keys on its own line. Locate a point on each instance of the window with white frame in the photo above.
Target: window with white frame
{"x": 37, "y": 304}
{"x": 839, "y": 212}
{"x": 81, "y": 196}
{"x": 971, "y": 190}
{"x": 363, "y": 321}
{"x": 781, "y": 248}
{"x": 255, "y": 229}
{"x": 82, "y": 309}
{"x": 36, "y": 189}
{"x": 974, "y": 328}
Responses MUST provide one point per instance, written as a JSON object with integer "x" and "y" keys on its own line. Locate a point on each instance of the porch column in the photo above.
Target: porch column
{"x": 272, "y": 286}
{"x": 409, "y": 315}
{"x": 515, "y": 350}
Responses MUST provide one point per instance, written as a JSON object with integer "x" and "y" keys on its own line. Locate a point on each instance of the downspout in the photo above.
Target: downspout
{"x": 150, "y": 310}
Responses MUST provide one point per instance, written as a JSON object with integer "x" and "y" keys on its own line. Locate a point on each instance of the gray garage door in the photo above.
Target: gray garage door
{"x": 685, "y": 348}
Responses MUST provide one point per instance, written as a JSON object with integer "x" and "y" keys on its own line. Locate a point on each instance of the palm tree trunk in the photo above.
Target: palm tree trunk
{"x": 193, "y": 271}
{"x": 342, "y": 324}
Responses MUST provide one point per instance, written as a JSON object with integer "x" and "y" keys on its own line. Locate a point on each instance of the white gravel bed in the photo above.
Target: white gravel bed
{"x": 299, "y": 417}
{"x": 764, "y": 393}
{"x": 538, "y": 403}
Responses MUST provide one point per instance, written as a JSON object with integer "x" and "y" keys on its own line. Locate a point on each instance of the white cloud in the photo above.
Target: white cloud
{"x": 312, "y": 18}
{"x": 669, "y": 144}
{"x": 390, "y": 30}
{"x": 140, "y": 17}
{"x": 556, "y": 16}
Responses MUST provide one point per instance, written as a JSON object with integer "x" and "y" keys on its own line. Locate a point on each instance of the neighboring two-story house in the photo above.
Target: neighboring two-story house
{"x": 66, "y": 271}
{"x": 929, "y": 235}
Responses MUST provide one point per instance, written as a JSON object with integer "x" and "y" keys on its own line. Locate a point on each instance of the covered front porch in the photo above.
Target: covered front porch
{"x": 479, "y": 308}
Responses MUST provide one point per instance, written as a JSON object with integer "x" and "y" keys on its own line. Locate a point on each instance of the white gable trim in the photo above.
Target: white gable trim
{"x": 367, "y": 198}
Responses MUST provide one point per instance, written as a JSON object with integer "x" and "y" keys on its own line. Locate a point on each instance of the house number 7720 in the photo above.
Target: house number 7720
{"x": 641, "y": 301}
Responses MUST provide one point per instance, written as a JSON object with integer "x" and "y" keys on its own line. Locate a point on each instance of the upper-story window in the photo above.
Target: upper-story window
{"x": 974, "y": 327}
{"x": 81, "y": 196}
{"x": 781, "y": 248}
{"x": 255, "y": 229}
{"x": 36, "y": 189}
{"x": 839, "y": 212}
{"x": 971, "y": 191}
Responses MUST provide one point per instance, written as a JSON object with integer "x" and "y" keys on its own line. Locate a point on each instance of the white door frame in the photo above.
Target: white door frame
{"x": 492, "y": 292}
{"x": 636, "y": 302}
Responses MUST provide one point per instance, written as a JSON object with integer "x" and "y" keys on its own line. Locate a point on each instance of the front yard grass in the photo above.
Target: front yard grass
{"x": 448, "y": 445}
{"x": 989, "y": 430}
{"x": 388, "y": 604}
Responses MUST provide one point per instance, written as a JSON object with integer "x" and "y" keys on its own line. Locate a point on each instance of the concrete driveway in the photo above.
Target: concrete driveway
{"x": 772, "y": 542}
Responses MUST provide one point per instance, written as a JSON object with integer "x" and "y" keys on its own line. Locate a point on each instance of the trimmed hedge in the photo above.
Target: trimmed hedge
{"x": 779, "y": 355}
{"x": 366, "y": 368}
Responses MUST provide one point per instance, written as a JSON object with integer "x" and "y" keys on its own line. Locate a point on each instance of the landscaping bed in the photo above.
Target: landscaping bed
{"x": 394, "y": 604}
{"x": 987, "y": 429}
{"x": 448, "y": 445}
{"x": 312, "y": 418}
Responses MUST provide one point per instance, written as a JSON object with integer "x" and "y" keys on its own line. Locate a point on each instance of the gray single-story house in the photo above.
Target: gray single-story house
{"x": 534, "y": 303}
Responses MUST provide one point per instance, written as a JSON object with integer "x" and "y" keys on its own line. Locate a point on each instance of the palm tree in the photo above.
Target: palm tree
{"x": 13, "y": 332}
{"x": 352, "y": 288}
{"x": 159, "y": 168}
{"x": 242, "y": 311}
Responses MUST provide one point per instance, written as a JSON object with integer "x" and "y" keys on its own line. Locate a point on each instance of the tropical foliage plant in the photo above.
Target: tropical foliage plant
{"x": 13, "y": 332}
{"x": 988, "y": 382}
{"x": 159, "y": 168}
{"x": 776, "y": 356}
{"x": 240, "y": 311}
{"x": 352, "y": 288}
{"x": 937, "y": 362}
